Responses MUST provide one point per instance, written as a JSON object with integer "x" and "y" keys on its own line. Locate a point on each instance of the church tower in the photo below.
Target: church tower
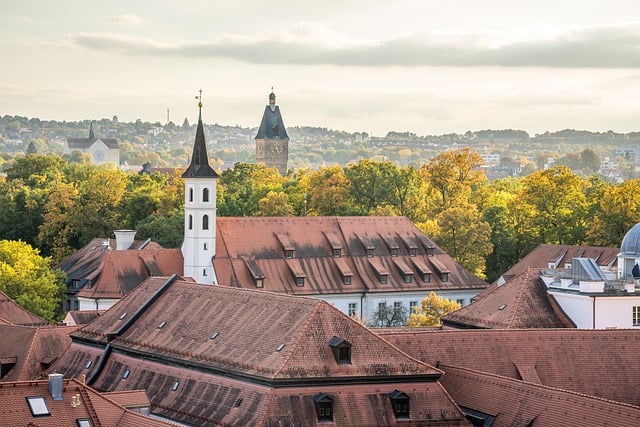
{"x": 200, "y": 180}
{"x": 272, "y": 141}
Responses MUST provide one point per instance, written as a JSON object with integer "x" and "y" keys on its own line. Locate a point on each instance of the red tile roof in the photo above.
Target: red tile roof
{"x": 602, "y": 363}
{"x": 25, "y": 353}
{"x": 246, "y": 242}
{"x": 521, "y": 302}
{"x": 519, "y": 403}
{"x": 100, "y": 410}
{"x": 222, "y": 344}
{"x": 11, "y": 313}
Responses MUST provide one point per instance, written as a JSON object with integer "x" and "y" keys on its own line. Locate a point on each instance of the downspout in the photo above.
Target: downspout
{"x": 362, "y": 306}
{"x": 594, "y": 312}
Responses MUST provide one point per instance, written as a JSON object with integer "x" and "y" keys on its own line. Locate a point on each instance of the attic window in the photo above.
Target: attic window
{"x": 383, "y": 278}
{"x": 346, "y": 280}
{"x": 126, "y": 374}
{"x": 408, "y": 278}
{"x": 444, "y": 277}
{"x": 394, "y": 252}
{"x": 371, "y": 253}
{"x": 259, "y": 283}
{"x": 122, "y": 316}
{"x": 84, "y": 422}
{"x": 38, "y": 406}
{"x": 341, "y": 350}
{"x": 288, "y": 254}
{"x": 337, "y": 253}
{"x": 88, "y": 365}
{"x": 280, "y": 347}
{"x": 76, "y": 283}
{"x": 162, "y": 325}
{"x": 413, "y": 251}
{"x": 299, "y": 281}
{"x": 324, "y": 407}
{"x": 430, "y": 250}
{"x": 400, "y": 404}
{"x": 175, "y": 386}
{"x": 215, "y": 335}
{"x": 238, "y": 402}
{"x": 502, "y": 307}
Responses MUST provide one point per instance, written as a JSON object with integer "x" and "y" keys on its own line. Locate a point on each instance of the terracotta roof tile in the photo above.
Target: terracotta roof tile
{"x": 11, "y": 313}
{"x": 518, "y": 403}
{"x": 600, "y": 363}
{"x": 27, "y": 352}
{"x": 521, "y": 302}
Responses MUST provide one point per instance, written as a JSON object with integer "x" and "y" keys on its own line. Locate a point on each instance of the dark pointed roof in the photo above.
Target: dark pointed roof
{"x": 199, "y": 167}
{"x": 91, "y": 134}
{"x": 272, "y": 125}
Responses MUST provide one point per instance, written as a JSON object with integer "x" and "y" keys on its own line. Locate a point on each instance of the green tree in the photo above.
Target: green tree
{"x": 167, "y": 231}
{"x": 275, "y": 204}
{"x": 432, "y": 308}
{"x": 618, "y": 211}
{"x": 244, "y": 185}
{"x": 329, "y": 192}
{"x": 460, "y": 231}
{"x": 370, "y": 184}
{"x": 26, "y": 277}
{"x": 452, "y": 174}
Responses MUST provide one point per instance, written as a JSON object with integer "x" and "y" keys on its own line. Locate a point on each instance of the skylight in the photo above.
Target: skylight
{"x": 161, "y": 325}
{"x": 84, "y": 422}
{"x": 88, "y": 365}
{"x": 175, "y": 385}
{"x": 122, "y": 316}
{"x": 215, "y": 335}
{"x": 280, "y": 347}
{"x": 38, "y": 406}
{"x": 126, "y": 374}
{"x": 502, "y": 307}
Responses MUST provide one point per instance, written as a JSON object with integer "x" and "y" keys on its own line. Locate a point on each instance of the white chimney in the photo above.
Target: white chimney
{"x": 55, "y": 386}
{"x": 124, "y": 239}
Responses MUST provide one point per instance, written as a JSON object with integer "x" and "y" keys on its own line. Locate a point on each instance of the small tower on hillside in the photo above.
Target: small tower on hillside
{"x": 272, "y": 141}
{"x": 200, "y": 180}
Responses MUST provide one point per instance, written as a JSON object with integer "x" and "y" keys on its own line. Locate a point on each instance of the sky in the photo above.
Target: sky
{"x": 428, "y": 67}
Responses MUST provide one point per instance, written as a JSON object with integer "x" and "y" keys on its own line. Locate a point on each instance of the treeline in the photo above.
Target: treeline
{"x": 58, "y": 206}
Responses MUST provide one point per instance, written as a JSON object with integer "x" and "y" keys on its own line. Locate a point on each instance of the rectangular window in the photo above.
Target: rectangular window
{"x": 337, "y": 253}
{"x": 346, "y": 280}
{"x": 412, "y": 304}
{"x": 370, "y": 253}
{"x": 382, "y": 307}
{"x": 259, "y": 283}
{"x": 445, "y": 277}
{"x": 299, "y": 281}
{"x": 394, "y": 252}
{"x": 397, "y": 305}
{"x": 413, "y": 251}
{"x": 383, "y": 278}
{"x": 460, "y": 301}
{"x": 636, "y": 315}
{"x": 427, "y": 278}
{"x": 288, "y": 254}
{"x": 408, "y": 278}
{"x": 352, "y": 308}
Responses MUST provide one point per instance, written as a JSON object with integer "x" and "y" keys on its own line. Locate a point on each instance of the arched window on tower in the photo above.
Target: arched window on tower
{"x": 205, "y": 195}
{"x": 190, "y": 222}
{"x": 205, "y": 222}
{"x": 190, "y": 194}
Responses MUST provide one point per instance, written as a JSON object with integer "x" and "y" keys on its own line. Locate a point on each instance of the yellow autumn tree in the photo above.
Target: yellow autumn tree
{"x": 431, "y": 309}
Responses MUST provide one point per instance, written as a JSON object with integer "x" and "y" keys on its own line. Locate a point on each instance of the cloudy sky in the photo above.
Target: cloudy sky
{"x": 429, "y": 67}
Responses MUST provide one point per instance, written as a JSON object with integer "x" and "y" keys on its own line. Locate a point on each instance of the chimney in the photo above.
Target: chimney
{"x": 55, "y": 386}
{"x": 124, "y": 239}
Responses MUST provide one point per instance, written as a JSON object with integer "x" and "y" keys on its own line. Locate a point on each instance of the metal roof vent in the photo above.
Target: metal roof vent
{"x": 55, "y": 386}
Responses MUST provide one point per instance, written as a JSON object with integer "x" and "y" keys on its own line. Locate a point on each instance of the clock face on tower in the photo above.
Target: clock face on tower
{"x": 276, "y": 148}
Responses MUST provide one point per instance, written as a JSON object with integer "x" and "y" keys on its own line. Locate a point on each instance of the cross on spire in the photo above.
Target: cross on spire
{"x": 199, "y": 98}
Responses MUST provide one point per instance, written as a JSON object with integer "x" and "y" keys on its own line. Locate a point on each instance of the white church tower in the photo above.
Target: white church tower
{"x": 199, "y": 245}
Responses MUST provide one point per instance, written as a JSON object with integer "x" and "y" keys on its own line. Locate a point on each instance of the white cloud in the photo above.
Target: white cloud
{"x": 313, "y": 44}
{"x": 125, "y": 20}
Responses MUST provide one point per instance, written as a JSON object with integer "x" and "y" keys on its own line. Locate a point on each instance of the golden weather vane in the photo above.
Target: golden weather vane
{"x": 199, "y": 98}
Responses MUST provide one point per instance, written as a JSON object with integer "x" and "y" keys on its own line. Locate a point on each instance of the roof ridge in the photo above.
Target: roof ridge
{"x": 285, "y": 361}
{"x": 520, "y": 295}
{"x": 27, "y": 356}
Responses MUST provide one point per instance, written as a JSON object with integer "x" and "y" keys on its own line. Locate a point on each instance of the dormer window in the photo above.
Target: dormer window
{"x": 400, "y": 404}
{"x": 337, "y": 253}
{"x": 324, "y": 407}
{"x": 341, "y": 350}
{"x": 288, "y": 254}
{"x": 445, "y": 277}
{"x": 408, "y": 278}
{"x": 430, "y": 251}
{"x": 371, "y": 253}
{"x": 394, "y": 252}
{"x": 383, "y": 278}
{"x": 413, "y": 251}
{"x": 299, "y": 281}
{"x": 259, "y": 283}
{"x": 346, "y": 280}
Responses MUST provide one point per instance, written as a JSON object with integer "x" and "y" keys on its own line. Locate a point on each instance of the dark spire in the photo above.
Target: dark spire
{"x": 272, "y": 125}
{"x": 199, "y": 167}
{"x": 91, "y": 135}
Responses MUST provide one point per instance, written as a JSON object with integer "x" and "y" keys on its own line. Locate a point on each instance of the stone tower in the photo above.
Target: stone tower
{"x": 272, "y": 141}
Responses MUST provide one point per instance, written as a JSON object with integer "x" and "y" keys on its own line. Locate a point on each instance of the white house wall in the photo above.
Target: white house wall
{"x": 610, "y": 311}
